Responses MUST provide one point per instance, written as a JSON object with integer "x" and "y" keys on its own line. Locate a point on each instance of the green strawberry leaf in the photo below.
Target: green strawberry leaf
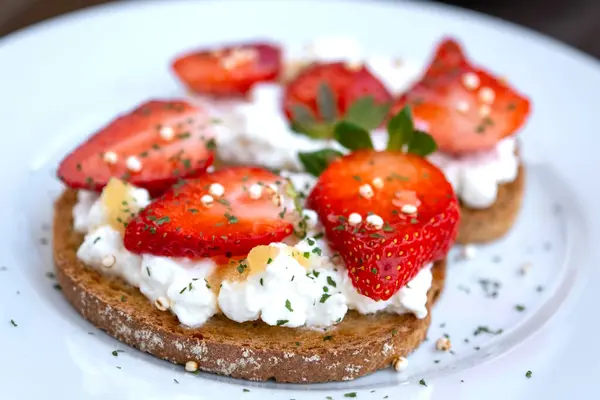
{"x": 400, "y": 130}
{"x": 326, "y": 103}
{"x": 352, "y": 136}
{"x": 316, "y": 162}
{"x": 302, "y": 115}
{"x": 315, "y": 131}
{"x": 366, "y": 114}
{"x": 422, "y": 144}
{"x": 303, "y": 121}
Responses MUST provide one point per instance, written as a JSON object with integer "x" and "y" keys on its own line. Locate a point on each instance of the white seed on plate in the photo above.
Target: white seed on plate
{"x": 470, "y": 80}
{"x": 487, "y": 95}
{"x": 375, "y": 221}
{"x": 216, "y": 189}
{"x": 443, "y": 344}
{"x": 366, "y": 191}
{"x": 133, "y": 164}
{"x": 110, "y": 157}
{"x": 191, "y": 366}
{"x": 207, "y": 200}
{"x": 400, "y": 364}
{"x": 377, "y": 182}
{"x": 255, "y": 191}
{"x": 485, "y": 110}
{"x": 354, "y": 219}
{"x": 468, "y": 252}
{"x": 525, "y": 268}
{"x": 109, "y": 261}
{"x": 409, "y": 209}
{"x": 162, "y": 304}
{"x": 462, "y": 106}
{"x": 167, "y": 133}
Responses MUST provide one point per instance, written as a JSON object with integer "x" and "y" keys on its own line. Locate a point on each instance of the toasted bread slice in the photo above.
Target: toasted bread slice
{"x": 360, "y": 344}
{"x": 489, "y": 224}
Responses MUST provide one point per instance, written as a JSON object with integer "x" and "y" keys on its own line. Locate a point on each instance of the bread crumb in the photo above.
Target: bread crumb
{"x": 191, "y": 366}
{"x": 400, "y": 364}
{"x": 468, "y": 252}
{"x": 443, "y": 344}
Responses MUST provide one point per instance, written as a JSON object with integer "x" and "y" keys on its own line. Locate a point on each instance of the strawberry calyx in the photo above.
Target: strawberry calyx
{"x": 402, "y": 137}
{"x": 327, "y": 94}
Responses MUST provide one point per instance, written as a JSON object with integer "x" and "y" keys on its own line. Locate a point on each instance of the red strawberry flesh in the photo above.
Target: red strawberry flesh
{"x": 346, "y": 83}
{"x": 187, "y": 151}
{"x": 229, "y": 71}
{"x": 464, "y": 108}
{"x": 180, "y": 224}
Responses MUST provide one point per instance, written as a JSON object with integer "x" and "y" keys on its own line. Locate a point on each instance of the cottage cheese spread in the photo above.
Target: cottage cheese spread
{"x": 285, "y": 293}
{"x": 475, "y": 177}
{"x": 257, "y": 131}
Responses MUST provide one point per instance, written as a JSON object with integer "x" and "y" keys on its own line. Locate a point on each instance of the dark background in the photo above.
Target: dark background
{"x": 576, "y": 22}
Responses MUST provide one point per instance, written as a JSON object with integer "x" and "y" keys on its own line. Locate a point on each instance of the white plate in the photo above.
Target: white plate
{"x": 62, "y": 79}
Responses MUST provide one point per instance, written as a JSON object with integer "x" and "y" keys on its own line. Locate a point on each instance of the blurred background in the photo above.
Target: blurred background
{"x": 576, "y": 22}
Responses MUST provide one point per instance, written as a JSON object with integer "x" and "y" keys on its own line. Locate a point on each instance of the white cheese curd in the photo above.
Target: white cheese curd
{"x": 412, "y": 298}
{"x": 103, "y": 244}
{"x": 397, "y": 76}
{"x": 302, "y": 181}
{"x": 475, "y": 177}
{"x": 257, "y": 132}
{"x": 89, "y": 211}
{"x": 81, "y": 210}
{"x": 285, "y": 294}
{"x": 182, "y": 284}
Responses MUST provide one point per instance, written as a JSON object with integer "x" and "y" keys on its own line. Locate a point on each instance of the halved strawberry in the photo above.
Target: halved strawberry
{"x": 409, "y": 217}
{"x": 347, "y": 84}
{"x": 189, "y": 221}
{"x": 152, "y": 147}
{"x": 229, "y": 71}
{"x": 463, "y": 107}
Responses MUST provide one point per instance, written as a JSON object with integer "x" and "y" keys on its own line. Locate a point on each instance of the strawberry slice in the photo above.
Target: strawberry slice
{"x": 388, "y": 214}
{"x": 228, "y": 212}
{"x": 152, "y": 147}
{"x": 229, "y": 71}
{"x": 463, "y": 107}
{"x": 347, "y": 84}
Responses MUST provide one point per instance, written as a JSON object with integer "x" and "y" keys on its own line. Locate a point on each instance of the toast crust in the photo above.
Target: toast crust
{"x": 489, "y": 224}
{"x": 359, "y": 345}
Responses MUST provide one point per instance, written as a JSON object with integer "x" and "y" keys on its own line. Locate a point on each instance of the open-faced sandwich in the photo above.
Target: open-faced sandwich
{"x": 234, "y": 270}
{"x": 472, "y": 115}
